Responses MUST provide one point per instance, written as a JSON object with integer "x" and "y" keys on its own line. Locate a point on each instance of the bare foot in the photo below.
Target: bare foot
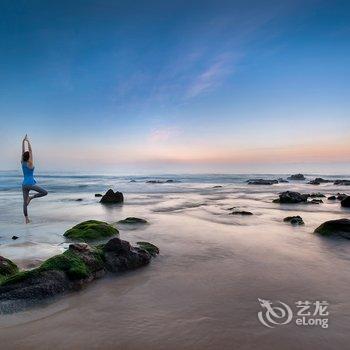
{"x": 27, "y": 220}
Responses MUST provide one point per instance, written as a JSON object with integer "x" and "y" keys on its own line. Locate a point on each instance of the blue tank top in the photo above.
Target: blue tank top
{"x": 28, "y": 174}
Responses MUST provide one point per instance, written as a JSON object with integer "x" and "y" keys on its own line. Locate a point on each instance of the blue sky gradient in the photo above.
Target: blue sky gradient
{"x": 160, "y": 86}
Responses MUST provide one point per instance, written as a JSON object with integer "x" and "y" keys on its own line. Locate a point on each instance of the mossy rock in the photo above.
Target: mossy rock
{"x": 132, "y": 220}
{"x": 7, "y": 268}
{"x": 148, "y": 247}
{"x": 91, "y": 230}
{"x": 68, "y": 262}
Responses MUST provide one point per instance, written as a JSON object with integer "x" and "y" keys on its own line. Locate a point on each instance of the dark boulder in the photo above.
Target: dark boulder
{"x": 15, "y": 237}
{"x": 290, "y": 197}
{"x": 341, "y": 196}
{"x": 332, "y": 198}
{"x": 121, "y": 256}
{"x": 111, "y": 197}
{"x": 262, "y": 182}
{"x": 98, "y": 195}
{"x": 294, "y": 220}
{"x": 346, "y": 202}
{"x": 281, "y": 180}
{"x": 340, "y": 228}
{"x": 298, "y": 177}
{"x": 218, "y": 186}
{"x": 342, "y": 182}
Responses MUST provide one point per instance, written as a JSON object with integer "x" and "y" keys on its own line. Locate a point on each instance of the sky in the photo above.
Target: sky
{"x": 176, "y": 86}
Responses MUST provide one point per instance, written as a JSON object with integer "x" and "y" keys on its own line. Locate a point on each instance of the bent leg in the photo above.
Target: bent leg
{"x": 41, "y": 192}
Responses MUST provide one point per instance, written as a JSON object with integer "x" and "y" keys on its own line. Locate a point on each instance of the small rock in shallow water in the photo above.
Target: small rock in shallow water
{"x": 149, "y": 247}
{"x": 316, "y": 201}
{"x": 14, "y": 237}
{"x": 294, "y": 220}
{"x": 241, "y": 212}
{"x": 132, "y": 220}
{"x": 98, "y": 195}
{"x": 332, "y": 198}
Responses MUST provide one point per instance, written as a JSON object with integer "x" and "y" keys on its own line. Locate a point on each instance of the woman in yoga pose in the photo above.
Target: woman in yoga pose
{"x": 29, "y": 183}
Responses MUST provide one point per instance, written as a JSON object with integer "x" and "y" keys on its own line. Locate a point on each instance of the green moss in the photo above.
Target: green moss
{"x": 68, "y": 262}
{"x": 132, "y": 220}
{"x": 7, "y": 267}
{"x": 149, "y": 247}
{"x": 91, "y": 230}
{"x": 20, "y": 276}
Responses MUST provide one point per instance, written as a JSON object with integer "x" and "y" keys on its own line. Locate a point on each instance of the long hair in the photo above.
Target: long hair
{"x": 25, "y": 156}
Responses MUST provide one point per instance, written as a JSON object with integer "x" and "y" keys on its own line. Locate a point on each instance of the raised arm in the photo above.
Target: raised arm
{"x": 23, "y": 145}
{"x": 31, "y": 160}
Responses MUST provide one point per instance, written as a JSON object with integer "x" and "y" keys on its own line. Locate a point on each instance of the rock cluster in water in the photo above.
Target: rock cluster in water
{"x": 290, "y": 197}
{"x": 72, "y": 270}
{"x": 261, "y": 182}
{"x": 294, "y": 220}
{"x": 161, "y": 181}
{"x": 318, "y": 181}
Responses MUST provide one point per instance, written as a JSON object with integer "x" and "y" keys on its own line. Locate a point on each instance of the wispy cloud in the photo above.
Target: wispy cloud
{"x": 212, "y": 76}
{"x": 163, "y": 134}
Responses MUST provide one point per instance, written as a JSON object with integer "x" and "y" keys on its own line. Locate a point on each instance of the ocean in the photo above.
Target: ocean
{"x": 203, "y": 290}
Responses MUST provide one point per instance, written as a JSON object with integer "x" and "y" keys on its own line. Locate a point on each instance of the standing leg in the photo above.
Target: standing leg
{"x": 25, "y": 191}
